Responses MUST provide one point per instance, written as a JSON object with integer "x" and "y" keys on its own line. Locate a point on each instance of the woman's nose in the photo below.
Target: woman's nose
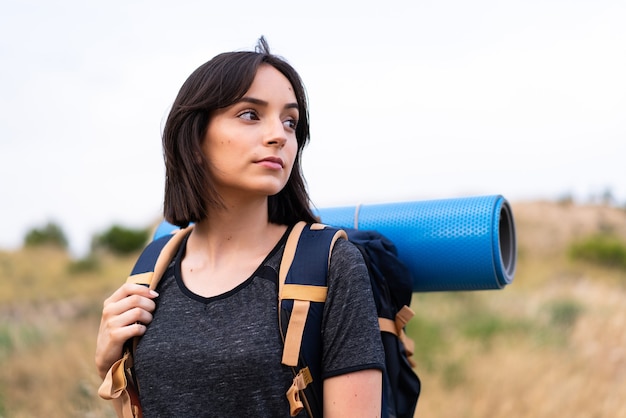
{"x": 275, "y": 133}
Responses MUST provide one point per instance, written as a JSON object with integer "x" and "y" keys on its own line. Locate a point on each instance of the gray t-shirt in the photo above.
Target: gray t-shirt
{"x": 221, "y": 356}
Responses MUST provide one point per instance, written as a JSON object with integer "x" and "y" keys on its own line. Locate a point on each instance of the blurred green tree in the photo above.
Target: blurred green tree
{"x": 121, "y": 240}
{"x": 50, "y": 234}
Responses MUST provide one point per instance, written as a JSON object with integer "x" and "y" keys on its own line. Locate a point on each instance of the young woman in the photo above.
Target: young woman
{"x": 211, "y": 345}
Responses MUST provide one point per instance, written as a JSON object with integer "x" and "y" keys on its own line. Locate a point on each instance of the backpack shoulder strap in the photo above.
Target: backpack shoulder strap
{"x": 155, "y": 259}
{"x": 120, "y": 385}
{"x": 302, "y": 292}
{"x": 152, "y": 263}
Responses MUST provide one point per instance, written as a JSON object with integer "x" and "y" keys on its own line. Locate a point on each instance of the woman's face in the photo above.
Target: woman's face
{"x": 251, "y": 146}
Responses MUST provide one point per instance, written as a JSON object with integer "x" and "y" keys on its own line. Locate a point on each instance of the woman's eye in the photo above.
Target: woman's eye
{"x": 291, "y": 123}
{"x": 249, "y": 115}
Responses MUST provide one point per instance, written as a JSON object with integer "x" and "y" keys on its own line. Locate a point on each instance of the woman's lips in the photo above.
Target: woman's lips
{"x": 274, "y": 163}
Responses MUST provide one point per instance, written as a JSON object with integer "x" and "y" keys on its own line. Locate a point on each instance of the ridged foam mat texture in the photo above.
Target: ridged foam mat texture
{"x": 457, "y": 244}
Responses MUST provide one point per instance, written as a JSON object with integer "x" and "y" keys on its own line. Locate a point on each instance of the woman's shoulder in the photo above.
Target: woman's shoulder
{"x": 347, "y": 261}
{"x": 345, "y": 248}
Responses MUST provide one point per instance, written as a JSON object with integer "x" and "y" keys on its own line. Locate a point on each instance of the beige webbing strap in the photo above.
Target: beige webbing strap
{"x": 167, "y": 255}
{"x": 141, "y": 278}
{"x": 304, "y": 292}
{"x": 115, "y": 380}
{"x": 151, "y": 279}
{"x": 295, "y": 330}
{"x": 288, "y": 255}
{"x": 388, "y": 325}
{"x": 115, "y": 388}
{"x": 300, "y": 382}
{"x": 339, "y": 234}
{"x": 396, "y": 328}
{"x": 403, "y": 316}
{"x": 317, "y": 227}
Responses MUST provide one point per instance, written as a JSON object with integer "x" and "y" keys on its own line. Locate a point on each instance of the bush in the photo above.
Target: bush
{"x": 565, "y": 313}
{"x": 51, "y": 234}
{"x": 121, "y": 240}
{"x": 84, "y": 265}
{"x": 602, "y": 249}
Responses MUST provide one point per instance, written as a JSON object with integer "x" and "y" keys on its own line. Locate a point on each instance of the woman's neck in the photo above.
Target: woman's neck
{"x": 237, "y": 227}
{"x": 226, "y": 248}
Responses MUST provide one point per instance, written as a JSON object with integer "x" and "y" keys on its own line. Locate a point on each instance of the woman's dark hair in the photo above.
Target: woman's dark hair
{"x": 189, "y": 189}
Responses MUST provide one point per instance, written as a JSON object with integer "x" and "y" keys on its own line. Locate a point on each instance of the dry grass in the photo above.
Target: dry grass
{"x": 546, "y": 368}
{"x": 552, "y": 344}
{"x": 48, "y": 321}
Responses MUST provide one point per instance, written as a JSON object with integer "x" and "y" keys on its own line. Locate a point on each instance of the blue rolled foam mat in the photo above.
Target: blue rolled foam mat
{"x": 454, "y": 244}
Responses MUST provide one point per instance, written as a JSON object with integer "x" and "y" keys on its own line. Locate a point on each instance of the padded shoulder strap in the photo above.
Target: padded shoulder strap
{"x": 155, "y": 258}
{"x": 302, "y": 278}
{"x": 149, "y": 269}
{"x": 302, "y": 292}
{"x": 120, "y": 385}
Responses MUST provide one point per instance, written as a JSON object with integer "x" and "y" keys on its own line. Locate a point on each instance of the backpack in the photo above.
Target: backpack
{"x": 302, "y": 292}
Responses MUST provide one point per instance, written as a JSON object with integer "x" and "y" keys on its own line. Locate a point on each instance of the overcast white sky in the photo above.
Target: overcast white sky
{"x": 410, "y": 100}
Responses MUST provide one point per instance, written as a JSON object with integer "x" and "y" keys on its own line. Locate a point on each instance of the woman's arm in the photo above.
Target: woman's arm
{"x": 125, "y": 315}
{"x": 351, "y": 337}
{"x": 357, "y": 394}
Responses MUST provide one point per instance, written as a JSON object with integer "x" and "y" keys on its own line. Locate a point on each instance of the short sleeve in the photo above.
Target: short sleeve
{"x": 350, "y": 331}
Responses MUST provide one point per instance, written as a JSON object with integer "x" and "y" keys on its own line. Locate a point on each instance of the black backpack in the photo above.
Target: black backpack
{"x": 302, "y": 292}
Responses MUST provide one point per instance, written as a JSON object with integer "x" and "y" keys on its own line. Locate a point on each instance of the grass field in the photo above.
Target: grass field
{"x": 552, "y": 344}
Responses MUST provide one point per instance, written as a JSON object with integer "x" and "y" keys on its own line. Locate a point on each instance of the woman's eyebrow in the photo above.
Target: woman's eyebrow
{"x": 260, "y": 102}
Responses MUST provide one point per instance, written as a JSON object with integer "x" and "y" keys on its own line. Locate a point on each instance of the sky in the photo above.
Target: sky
{"x": 409, "y": 100}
